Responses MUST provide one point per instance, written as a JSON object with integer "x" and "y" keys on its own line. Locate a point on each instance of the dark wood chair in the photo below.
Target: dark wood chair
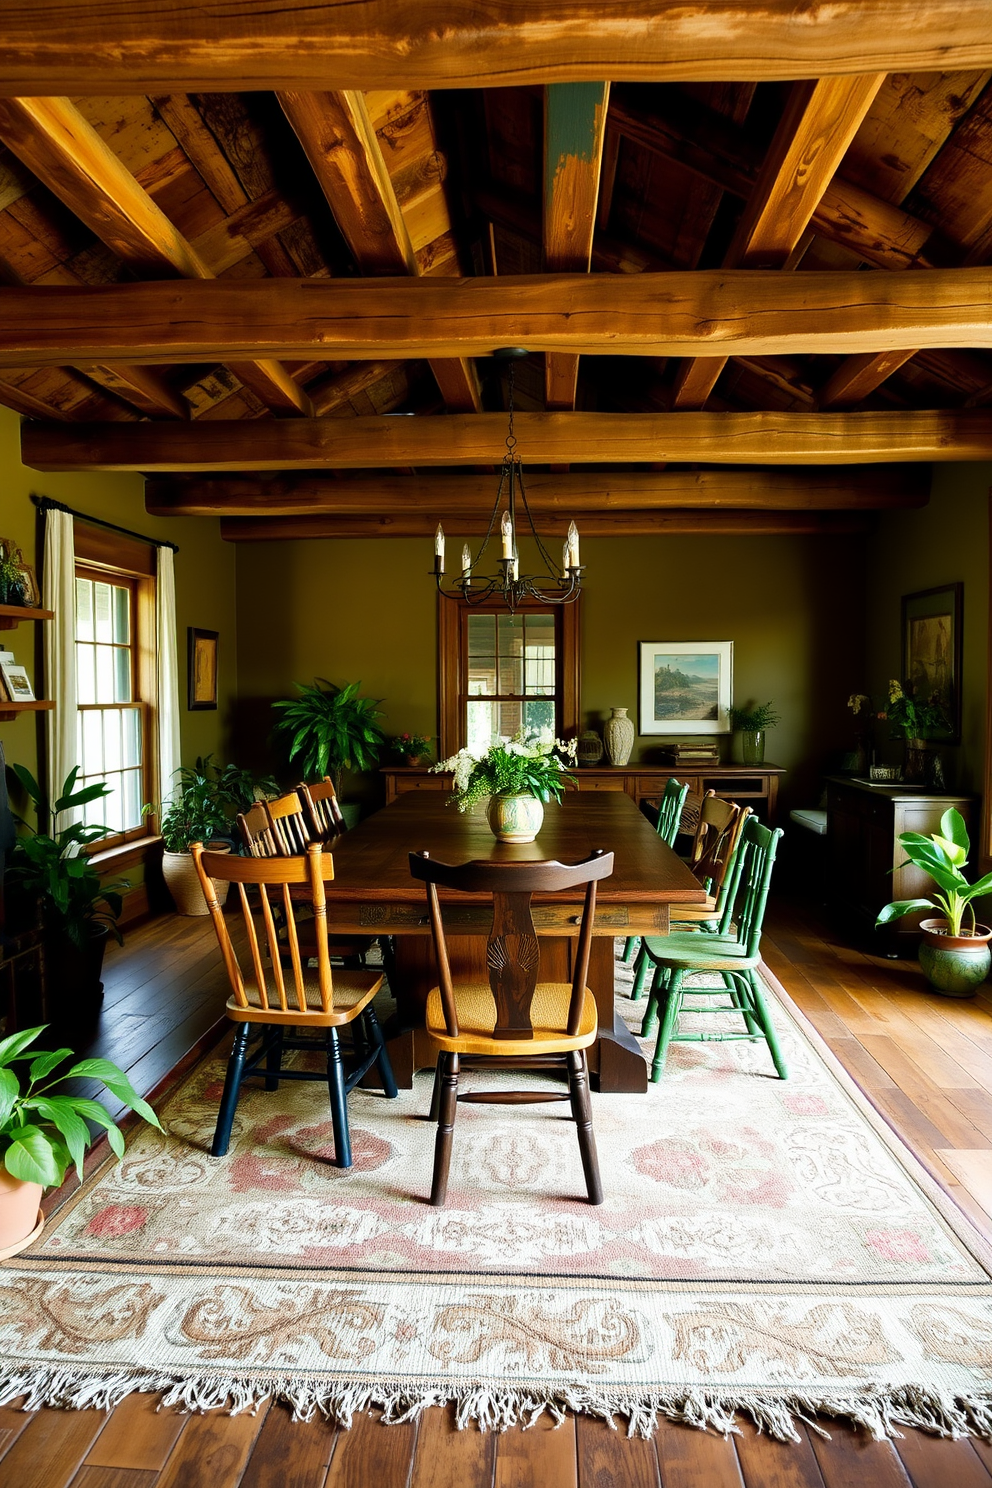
{"x": 513, "y": 1021}
{"x": 320, "y": 801}
{"x": 289, "y": 825}
{"x": 276, "y": 990}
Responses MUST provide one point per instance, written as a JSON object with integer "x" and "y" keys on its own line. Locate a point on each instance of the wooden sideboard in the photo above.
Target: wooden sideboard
{"x": 863, "y": 827}
{"x": 754, "y": 785}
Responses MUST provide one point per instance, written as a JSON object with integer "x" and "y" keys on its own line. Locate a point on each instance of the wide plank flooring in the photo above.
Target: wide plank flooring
{"x": 925, "y": 1062}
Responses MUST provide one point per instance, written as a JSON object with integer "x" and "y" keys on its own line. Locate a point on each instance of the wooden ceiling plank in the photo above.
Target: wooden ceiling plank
{"x": 820, "y": 120}
{"x": 705, "y": 313}
{"x": 53, "y": 139}
{"x": 880, "y": 487}
{"x": 145, "y": 387}
{"x": 144, "y": 46}
{"x": 857, "y": 376}
{"x": 24, "y": 402}
{"x": 340, "y": 142}
{"x": 474, "y": 438}
{"x": 186, "y": 123}
{"x": 574, "y": 133}
{"x": 617, "y": 524}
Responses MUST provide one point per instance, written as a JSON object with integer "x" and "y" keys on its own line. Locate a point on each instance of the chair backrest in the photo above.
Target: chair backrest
{"x": 289, "y": 826}
{"x": 320, "y": 801}
{"x": 717, "y": 833}
{"x": 512, "y": 951}
{"x": 272, "y": 965}
{"x": 670, "y": 810}
{"x": 747, "y": 883}
{"x": 256, "y": 833}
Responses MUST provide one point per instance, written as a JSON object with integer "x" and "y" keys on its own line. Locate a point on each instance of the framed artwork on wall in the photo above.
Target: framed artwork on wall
{"x": 685, "y": 686}
{"x": 202, "y": 668}
{"x": 931, "y": 649}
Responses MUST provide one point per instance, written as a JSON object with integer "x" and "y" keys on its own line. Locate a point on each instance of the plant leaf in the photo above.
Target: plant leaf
{"x": 45, "y": 1063}
{"x": 92, "y": 1110}
{"x": 60, "y": 1111}
{"x": 118, "y": 1083}
{"x": 952, "y": 825}
{"x": 34, "y": 1158}
{"x": 900, "y": 907}
{"x": 10, "y": 1089}
{"x": 11, "y": 1047}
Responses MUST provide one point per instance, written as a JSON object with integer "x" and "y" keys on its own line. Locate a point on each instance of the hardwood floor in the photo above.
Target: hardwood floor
{"x": 925, "y": 1062}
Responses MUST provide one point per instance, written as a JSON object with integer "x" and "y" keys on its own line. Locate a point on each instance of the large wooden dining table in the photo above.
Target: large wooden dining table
{"x": 372, "y": 893}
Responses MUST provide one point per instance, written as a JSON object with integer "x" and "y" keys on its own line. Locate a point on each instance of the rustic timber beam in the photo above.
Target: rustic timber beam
{"x": 63, "y": 149}
{"x": 879, "y": 488}
{"x": 713, "y": 312}
{"x": 616, "y": 524}
{"x": 154, "y": 46}
{"x": 473, "y": 438}
{"x": 820, "y": 120}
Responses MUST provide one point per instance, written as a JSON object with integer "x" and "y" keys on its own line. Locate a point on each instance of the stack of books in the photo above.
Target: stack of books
{"x": 692, "y": 752}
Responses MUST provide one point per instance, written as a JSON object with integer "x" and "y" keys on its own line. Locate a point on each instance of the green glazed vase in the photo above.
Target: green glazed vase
{"x": 954, "y": 965}
{"x": 515, "y": 818}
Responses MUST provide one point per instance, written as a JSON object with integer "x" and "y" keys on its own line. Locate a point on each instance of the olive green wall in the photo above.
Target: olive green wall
{"x": 942, "y": 543}
{"x": 365, "y": 610}
{"x": 205, "y": 581}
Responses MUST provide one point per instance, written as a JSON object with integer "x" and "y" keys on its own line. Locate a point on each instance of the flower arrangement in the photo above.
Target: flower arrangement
{"x": 913, "y": 717}
{"x": 412, "y": 746}
{"x": 527, "y": 764}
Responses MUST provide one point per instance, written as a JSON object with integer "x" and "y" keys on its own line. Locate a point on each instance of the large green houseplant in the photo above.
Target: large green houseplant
{"x": 330, "y": 729}
{"x": 194, "y": 813}
{"x": 79, "y": 912}
{"x": 43, "y": 1133}
{"x": 954, "y": 951}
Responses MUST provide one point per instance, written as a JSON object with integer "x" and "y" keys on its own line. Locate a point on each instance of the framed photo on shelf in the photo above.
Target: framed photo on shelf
{"x": 201, "y": 668}
{"x": 17, "y": 682}
{"x": 685, "y": 687}
{"x": 931, "y": 650}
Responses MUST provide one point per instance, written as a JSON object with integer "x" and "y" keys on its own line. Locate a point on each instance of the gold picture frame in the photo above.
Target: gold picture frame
{"x": 201, "y": 668}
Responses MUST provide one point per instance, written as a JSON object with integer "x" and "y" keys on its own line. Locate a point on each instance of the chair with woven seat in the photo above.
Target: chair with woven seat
{"x": 667, "y": 826}
{"x": 512, "y": 1020}
{"x": 733, "y": 951}
{"x": 274, "y": 989}
{"x": 320, "y": 801}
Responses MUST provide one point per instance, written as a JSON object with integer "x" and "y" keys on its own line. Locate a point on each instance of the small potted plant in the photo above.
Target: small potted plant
{"x": 519, "y": 775}
{"x": 12, "y": 590}
{"x": 331, "y": 729}
{"x": 954, "y": 951}
{"x": 79, "y": 912}
{"x": 194, "y": 814}
{"x": 43, "y": 1134}
{"x": 411, "y": 748}
{"x": 752, "y": 723}
{"x": 919, "y": 720}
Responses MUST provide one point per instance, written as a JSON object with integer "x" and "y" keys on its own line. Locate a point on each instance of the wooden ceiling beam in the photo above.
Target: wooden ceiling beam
{"x": 145, "y": 387}
{"x": 474, "y": 438}
{"x": 880, "y": 487}
{"x": 340, "y": 143}
{"x": 147, "y": 46}
{"x": 616, "y": 524}
{"x": 64, "y": 151}
{"x": 712, "y": 312}
{"x": 23, "y": 402}
{"x": 820, "y": 120}
{"x": 857, "y": 376}
{"x": 574, "y": 132}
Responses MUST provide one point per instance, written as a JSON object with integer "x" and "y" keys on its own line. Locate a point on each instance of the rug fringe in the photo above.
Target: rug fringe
{"x": 880, "y": 1412}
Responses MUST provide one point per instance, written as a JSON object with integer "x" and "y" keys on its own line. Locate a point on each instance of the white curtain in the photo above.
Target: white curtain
{"x": 59, "y": 594}
{"x": 167, "y": 673}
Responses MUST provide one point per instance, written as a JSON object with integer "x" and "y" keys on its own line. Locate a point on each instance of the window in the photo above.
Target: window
{"x": 501, "y": 672}
{"x": 115, "y": 679}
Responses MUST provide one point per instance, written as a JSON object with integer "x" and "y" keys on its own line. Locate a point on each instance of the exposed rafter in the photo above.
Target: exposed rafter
{"x": 612, "y": 524}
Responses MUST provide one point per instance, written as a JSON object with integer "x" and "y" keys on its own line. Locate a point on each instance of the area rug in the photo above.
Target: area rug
{"x": 765, "y": 1246}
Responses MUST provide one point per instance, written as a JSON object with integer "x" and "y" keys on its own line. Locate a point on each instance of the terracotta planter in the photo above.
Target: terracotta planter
{"x": 21, "y": 1220}
{"x": 954, "y": 965}
{"x": 515, "y": 818}
{"x": 180, "y": 877}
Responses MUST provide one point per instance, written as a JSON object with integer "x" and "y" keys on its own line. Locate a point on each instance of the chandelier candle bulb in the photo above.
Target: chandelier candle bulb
{"x": 573, "y": 545}
{"x": 466, "y": 561}
{"x": 439, "y": 549}
{"x": 565, "y": 559}
{"x": 506, "y": 528}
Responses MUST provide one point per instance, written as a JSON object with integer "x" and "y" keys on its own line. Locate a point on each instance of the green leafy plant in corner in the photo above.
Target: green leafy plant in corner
{"x": 55, "y": 870}
{"x": 944, "y": 855}
{"x": 43, "y": 1134}
{"x": 196, "y": 811}
{"x": 331, "y": 729}
{"x": 754, "y": 719}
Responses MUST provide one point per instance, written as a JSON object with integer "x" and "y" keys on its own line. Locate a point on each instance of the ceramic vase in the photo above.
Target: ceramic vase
{"x": 618, "y": 736}
{"x": 954, "y": 965}
{"x": 514, "y": 818}
{"x": 590, "y": 748}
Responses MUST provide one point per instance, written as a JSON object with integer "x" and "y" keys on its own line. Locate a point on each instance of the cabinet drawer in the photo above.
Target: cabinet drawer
{"x": 406, "y": 783}
{"x": 600, "y": 783}
{"x": 653, "y": 786}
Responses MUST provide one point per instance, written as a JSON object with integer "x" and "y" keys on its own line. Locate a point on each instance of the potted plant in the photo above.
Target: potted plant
{"x": 519, "y": 775}
{"x": 11, "y": 576}
{"x": 331, "y": 729}
{"x": 194, "y": 814}
{"x": 411, "y": 748}
{"x": 78, "y": 911}
{"x": 918, "y": 720}
{"x": 42, "y": 1134}
{"x": 752, "y": 723}
{"x": 954, "y": 954}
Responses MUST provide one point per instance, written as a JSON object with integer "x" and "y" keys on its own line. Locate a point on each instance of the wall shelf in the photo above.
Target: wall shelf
{"x": 11, "y": 710}
{"x": 11, "y": 615}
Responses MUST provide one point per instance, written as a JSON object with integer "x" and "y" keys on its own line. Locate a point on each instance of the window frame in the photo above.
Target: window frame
{"x": 453, "y": 666}
{"x": 106, "y": 556}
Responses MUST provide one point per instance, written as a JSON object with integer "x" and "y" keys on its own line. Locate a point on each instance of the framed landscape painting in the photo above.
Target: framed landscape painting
{"x": 931, "y": 650}
{"x": 202, "y": 668}
{"x": 685, "y": 687}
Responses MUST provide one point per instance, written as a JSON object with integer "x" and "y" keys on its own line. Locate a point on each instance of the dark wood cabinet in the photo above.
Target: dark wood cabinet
{"x": 863, "y": 827}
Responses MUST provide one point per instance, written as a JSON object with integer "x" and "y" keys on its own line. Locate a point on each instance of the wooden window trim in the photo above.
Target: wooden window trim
{"x": 453, "y": 662}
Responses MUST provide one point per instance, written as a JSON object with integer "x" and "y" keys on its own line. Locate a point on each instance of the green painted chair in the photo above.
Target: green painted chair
{"x": 733, "y": 951}
{"x": 667, "y": 827}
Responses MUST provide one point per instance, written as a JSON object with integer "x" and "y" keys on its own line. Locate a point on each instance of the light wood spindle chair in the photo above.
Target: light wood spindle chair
{"x": 289, "y": 824}
{"x": 274, "y": 989}
{"x": 320, "y": 801}
{"x": 256, "y": 833}
{"x": 513, "y": 1020}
